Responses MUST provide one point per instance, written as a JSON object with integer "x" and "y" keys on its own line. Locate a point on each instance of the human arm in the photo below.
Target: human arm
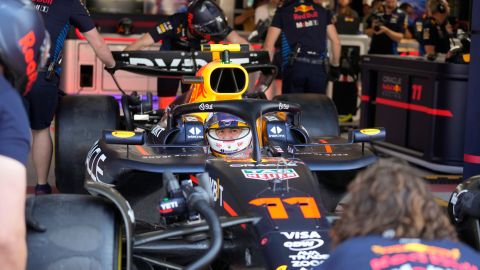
{"x": 332, "y": 35}
{"x": 100, "y": 47}
{"x": 234, "y": 37}
{"x": 368, "y": 28}
{"x": 144, "y": 41}
{"x": 13, "y": 247}
{"x": 80, "y": 18}
{"x": 429, "y": 39}
{"x": 429, "y": 49}
{"x": 14, "y": 149}
{"x": 395, "y": 31}
{"x": 272, "y": 35}
{"x": 395, "y": 36}
{"x": 245, "y": 15}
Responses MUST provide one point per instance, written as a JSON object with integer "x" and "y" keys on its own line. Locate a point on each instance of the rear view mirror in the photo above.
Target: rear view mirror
{"x": 367, "y": 135}
{"x": 123, "y": 137}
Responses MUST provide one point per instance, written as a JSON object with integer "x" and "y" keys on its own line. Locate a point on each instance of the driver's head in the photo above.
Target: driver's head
{"x": 24, "y": 43}
{"x": 228, "y": 135}
{"x": 207, "y": 21}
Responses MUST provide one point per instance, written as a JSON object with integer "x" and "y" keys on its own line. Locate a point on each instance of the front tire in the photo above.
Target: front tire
{"x": 81, "y": 233}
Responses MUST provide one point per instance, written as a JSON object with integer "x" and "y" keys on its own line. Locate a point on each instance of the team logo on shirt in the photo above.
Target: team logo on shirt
{"x": 304, "y": 12}
{"x": 419, "y": 26}
{"x": 42, "y": 5}
{"x": 394, "y": 19}
{"x": 164, "y": 27}
{"x": 426, "y": 33}
{"x": 303, "y": 8}
{"x": 304, "y": 24}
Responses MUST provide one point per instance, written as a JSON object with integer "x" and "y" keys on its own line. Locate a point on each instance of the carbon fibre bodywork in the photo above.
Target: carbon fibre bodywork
{"x": 278, "y": 184}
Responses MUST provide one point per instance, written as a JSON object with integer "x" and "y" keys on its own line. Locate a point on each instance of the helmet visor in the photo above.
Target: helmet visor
{"x": 216, "y": 28}
{"x": 229, "y": 133}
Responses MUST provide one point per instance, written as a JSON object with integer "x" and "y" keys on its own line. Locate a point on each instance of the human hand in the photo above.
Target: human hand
{"x": 112, "y": 69}
{"x": 381, "y": 30}
{"x": 334, "y": 73}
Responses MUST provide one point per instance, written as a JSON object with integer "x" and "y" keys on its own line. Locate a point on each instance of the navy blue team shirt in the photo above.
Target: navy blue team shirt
{"x": 381, "y": 44}
{"x": 306, "y": 23}
{"x": 435, "y": 34}
{"x": 379, "y": 253}
{"x": 58, "y": 16}
{"x": 172, "y": 30}
{"x": 14, "y": 128}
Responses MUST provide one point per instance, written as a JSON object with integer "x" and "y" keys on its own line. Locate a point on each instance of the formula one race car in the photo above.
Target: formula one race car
{"x": 166, "y": 198}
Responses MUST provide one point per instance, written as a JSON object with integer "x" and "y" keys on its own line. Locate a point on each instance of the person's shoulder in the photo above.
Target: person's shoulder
{"x": 428, "y": 22}
{"x": 9, "y": 97}
{"x": 262, "y": 8}
{"x": 180, "y": 16}
{"x": 7, "y": 90}
{"x": 358, "y": 244}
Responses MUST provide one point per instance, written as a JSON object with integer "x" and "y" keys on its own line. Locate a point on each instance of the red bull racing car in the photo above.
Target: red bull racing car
{"x": 164, "y": 197}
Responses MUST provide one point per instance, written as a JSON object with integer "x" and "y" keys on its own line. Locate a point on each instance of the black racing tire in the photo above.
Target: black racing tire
{"x": 79, "y": 122}
{"x": 82, "y": 232}
{"x": 319, "y": 115}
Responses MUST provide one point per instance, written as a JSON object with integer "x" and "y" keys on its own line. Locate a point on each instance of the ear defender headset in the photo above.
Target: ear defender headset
{"x": 441, "y": 8}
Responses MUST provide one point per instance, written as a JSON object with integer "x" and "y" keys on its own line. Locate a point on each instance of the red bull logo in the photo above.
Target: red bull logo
{"x": 27, "y": 42}
{"x": 303, "y": 8}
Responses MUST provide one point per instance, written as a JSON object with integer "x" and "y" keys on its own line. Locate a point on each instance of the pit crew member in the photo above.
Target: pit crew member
{"x": 41, "y": 101}
{"x": 203, "y": 22}
{"x": 305, "y": 26}
{"x": 24, "y": 46}
{"x": 392, "y": 221}
{"x": 434, "y": 35}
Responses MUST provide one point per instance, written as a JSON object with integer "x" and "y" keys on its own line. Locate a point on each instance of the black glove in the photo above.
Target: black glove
{"x": 333, "y": 73}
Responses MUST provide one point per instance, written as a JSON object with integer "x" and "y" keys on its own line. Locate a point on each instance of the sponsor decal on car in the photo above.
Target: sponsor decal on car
{"x": 308, "y": 259}
{"x": 205, "y": 106}
{"x": 190, "y": 118}
{"x": 283, "y": 106}
{"x": 217, "y": 190}
{"x": 303, "y": 243}
{"x": 302, "y": 240}
{"x": 95, "y": 158}
{"x": 195, "y": 133}
{"x": 270, "y": 174}
{"x": 157, "y": 130}
{"x": 171, "y": 156}
{"x": 253, "y": 165}
{"x": 370, "y": 131}
{"x": 123, "y": 134}
{"x": 276, "y": 131}
{"x": 271, "y": 118}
